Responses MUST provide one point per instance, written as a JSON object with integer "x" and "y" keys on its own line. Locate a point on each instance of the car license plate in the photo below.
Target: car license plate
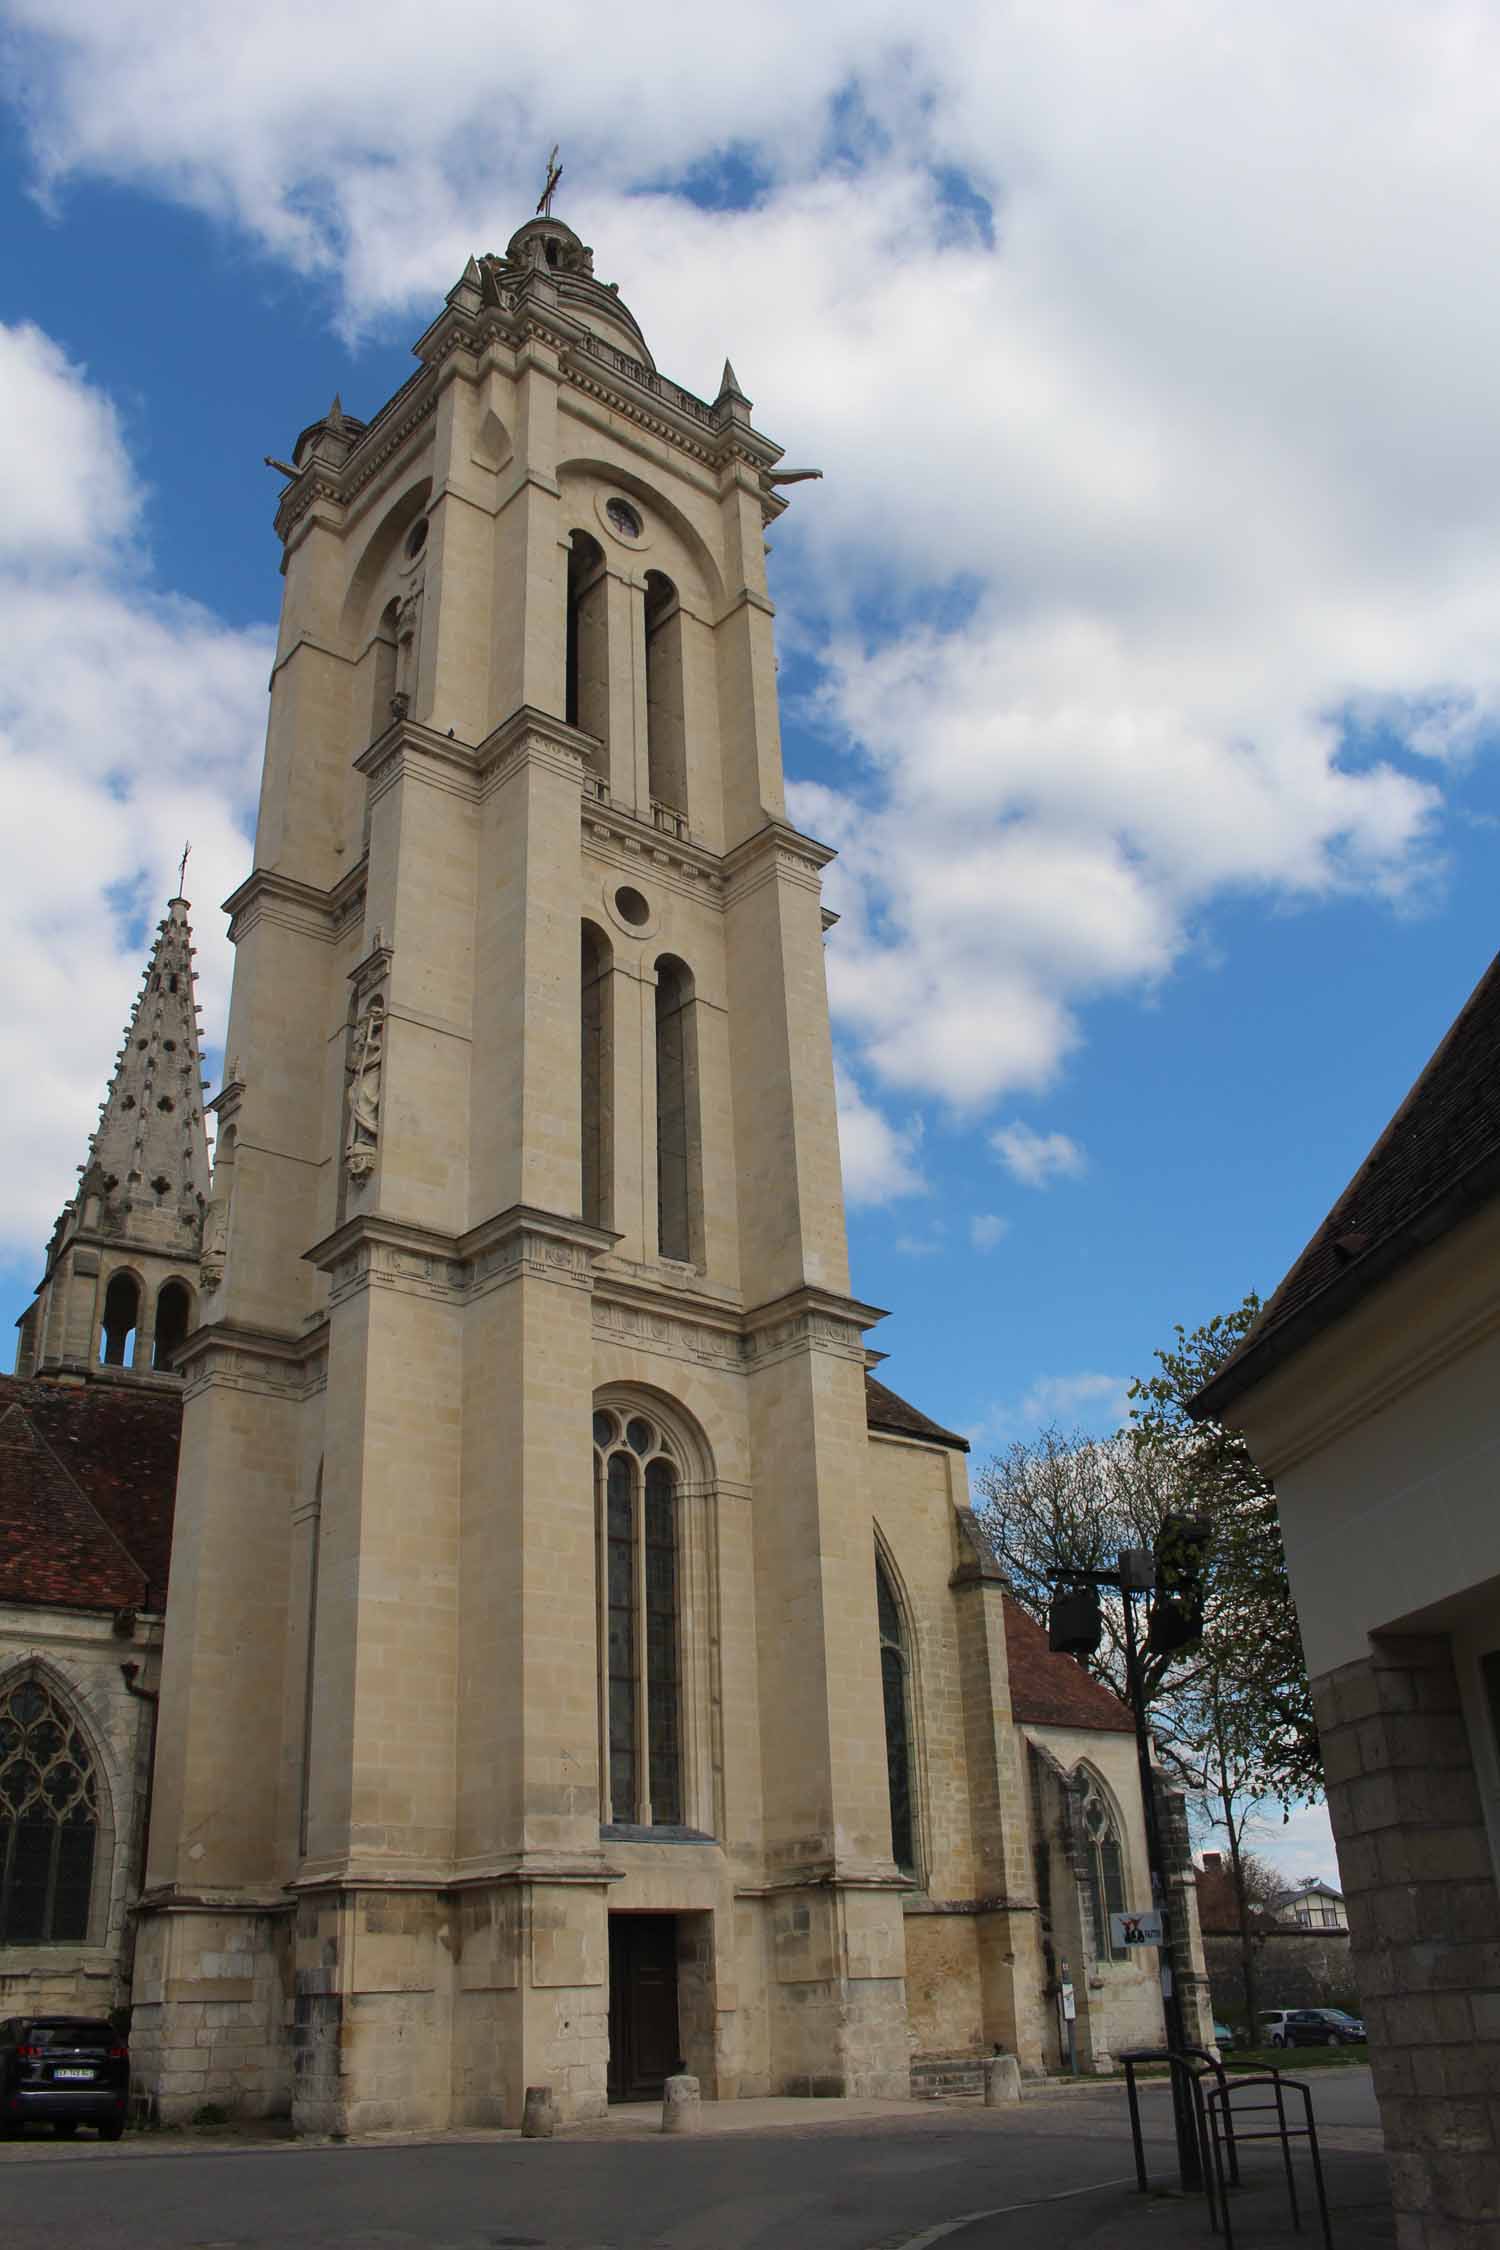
{"x": 72, "y": 2074}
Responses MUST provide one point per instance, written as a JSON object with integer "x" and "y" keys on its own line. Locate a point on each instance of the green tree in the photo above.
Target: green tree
{"x": 1251, "y": 1641}
{"x": 1232, "y": 1717}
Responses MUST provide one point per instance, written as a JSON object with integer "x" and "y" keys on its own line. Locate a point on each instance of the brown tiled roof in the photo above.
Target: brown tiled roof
{"x": 884, "y": 1411}
{"x": 1047, "y": 1690}
{"x": 1437, "y": 1160}
{"x": 88, "y": 1475}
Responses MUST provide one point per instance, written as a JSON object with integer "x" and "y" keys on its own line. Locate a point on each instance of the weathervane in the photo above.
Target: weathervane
{"x": 182, "y": 868}
{"x": 554, "y": 174}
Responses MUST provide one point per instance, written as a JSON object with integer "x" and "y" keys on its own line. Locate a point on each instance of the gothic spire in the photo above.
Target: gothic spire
{"x": 123, "y": 1262}
{"x": 149, "y": 1152}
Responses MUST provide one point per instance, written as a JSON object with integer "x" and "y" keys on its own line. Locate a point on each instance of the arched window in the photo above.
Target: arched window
{"x": 666, "y": 735}
{"x": 636, "y": 1476}
{"x": 174, "y": 1313}
{"x": 586, "y": 703}
{"x": 1103, "y": 1869}
{"x": 49, "y": 1818}
{"x": 679, "y": 1194}
{"x": 896, "y": 1686}
{"x": 386, "y": 636}
{"x": 122, "y": 1311}
{"x": 596, "y": 1064}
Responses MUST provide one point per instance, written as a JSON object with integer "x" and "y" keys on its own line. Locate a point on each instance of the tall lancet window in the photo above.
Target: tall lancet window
{"x": 49, "y": 1818}
{"x": 679, "y": 1198}
{"x": 896, "y": 1686}
{"x": 586, "y": 694}
{"x": 636, "y": 1479}
{"x": 666, "y": 738}
{"x": 595, "y": 1056}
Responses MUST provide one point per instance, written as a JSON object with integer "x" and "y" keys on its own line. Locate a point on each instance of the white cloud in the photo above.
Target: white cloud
{"x": 987, "y": 1230}
{"x": 1037, "y": 1159}
{"x": 920, "y": 1245}
{"x": 129, "y": 722}
{"x": 879, "y": 1158}
{"x": 1298, "y": 1846}
{"x": 1097, "y": 1401}
{"x": 1188, "y": 461}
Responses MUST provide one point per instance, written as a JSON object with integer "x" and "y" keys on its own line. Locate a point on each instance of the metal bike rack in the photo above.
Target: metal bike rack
{"x": 1225, "y": 2130}
{"x": 1189, "y": 2067}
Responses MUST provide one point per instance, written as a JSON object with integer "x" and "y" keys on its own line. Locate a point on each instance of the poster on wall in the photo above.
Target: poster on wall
{"x": 1136, "y": 1929}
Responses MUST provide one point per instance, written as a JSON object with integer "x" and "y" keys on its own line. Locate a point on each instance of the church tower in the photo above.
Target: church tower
{"x": 522, "y": 1705}
{"x": 121, "y": 1285}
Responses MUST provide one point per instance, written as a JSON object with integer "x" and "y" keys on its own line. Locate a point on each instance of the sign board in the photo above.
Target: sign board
{"x": 1136, "y": 1929}
{"x": 1069, "y": 2004}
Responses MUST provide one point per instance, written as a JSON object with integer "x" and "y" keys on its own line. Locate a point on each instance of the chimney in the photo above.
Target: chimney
{"x": 1213, "y": 1863}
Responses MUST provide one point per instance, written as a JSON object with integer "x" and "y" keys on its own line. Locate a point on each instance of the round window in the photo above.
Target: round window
{"x": 631, "y": 907}
{"x": 638, "y": 1435}
{"x": 416, "y": 539}
{"x": 623, "y": 519}
{"x": 606, "y": 1429}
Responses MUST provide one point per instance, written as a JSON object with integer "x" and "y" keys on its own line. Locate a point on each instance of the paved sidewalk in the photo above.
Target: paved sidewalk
{"x": 1113, "y": 2218}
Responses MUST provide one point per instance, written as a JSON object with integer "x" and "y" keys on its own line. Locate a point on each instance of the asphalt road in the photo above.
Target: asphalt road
{"x": 819, "y": 2187}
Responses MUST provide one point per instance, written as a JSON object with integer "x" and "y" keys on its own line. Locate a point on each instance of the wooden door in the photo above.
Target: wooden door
{"x": 643, "y": 2039}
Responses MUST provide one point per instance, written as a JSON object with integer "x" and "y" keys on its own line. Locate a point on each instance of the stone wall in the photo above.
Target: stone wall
{"x": 1424, "y": 1919}
{"x": 80, "y": 1655}
{"x": 1294, "y": 1969}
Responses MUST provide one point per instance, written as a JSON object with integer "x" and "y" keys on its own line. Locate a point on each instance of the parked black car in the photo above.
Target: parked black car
{"x": 68, "y": 2070}
{"x": 1323, "y": 2027}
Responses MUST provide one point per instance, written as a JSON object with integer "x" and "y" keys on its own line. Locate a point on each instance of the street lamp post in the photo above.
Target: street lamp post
{"x": 1138, "y": 1574}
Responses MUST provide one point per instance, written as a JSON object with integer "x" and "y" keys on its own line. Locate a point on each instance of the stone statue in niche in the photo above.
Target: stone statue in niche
{"x": 366, "y": 1071}
{"x": 215, "y": 1241}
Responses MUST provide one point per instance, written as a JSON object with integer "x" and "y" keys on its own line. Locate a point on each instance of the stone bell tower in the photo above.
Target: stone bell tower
{"x": 121, "y": 1284}
{"x": 521, "y": 1706}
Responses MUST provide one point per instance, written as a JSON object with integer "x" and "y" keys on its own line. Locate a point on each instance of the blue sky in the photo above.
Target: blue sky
{"x": 1140, "y": 651}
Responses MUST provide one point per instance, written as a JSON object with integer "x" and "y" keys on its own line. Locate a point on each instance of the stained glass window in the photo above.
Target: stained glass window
{"x": 894, "y": 1682}
{"x": 640, "y": 1572}
{"x": 49, "y": 1819}
{"x": 1103, "y": 1876}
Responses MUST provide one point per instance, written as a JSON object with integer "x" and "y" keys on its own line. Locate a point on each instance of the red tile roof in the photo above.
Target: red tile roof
{"x": 1437, "y": 1160}
{"x": 1047, "y": 1690}
{"x": 88, "y": 1475}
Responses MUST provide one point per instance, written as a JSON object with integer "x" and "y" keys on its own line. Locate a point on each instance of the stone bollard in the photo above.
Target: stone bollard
{"x": 681, "y": 2105}
{"x": 1002, "y": 2081}
{"x": 539, "y": 2117}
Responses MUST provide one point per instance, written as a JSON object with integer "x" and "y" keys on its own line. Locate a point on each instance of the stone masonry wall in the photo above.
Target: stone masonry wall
{"x": 1424, "y": 1919}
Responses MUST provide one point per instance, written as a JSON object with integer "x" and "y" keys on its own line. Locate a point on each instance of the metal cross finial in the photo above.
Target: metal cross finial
{"x": 554, "y": 174}
{"x": 182, "y": 868}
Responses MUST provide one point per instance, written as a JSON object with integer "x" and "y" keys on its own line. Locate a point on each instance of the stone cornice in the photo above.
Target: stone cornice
{"x": 373, "y": 1251}
{"x": 808, "y": 1319}
{"x": 775, "y": 851}
{"x": 266, "y": 894}
{"x": 241, "y": 1357}
{"x": 624, "y": 839}
{"x": 473, "y": 770}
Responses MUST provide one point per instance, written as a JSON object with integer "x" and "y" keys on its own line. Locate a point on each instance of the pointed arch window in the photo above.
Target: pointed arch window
{"x": 1103, "y": 1869}
{"x": 895, "y": 1681}
{"x": 174, "y": 1313}
{"x": 49, "y": 1818}
{"x": 637, "y": 1479}
{"x": 122, "y": 1312}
